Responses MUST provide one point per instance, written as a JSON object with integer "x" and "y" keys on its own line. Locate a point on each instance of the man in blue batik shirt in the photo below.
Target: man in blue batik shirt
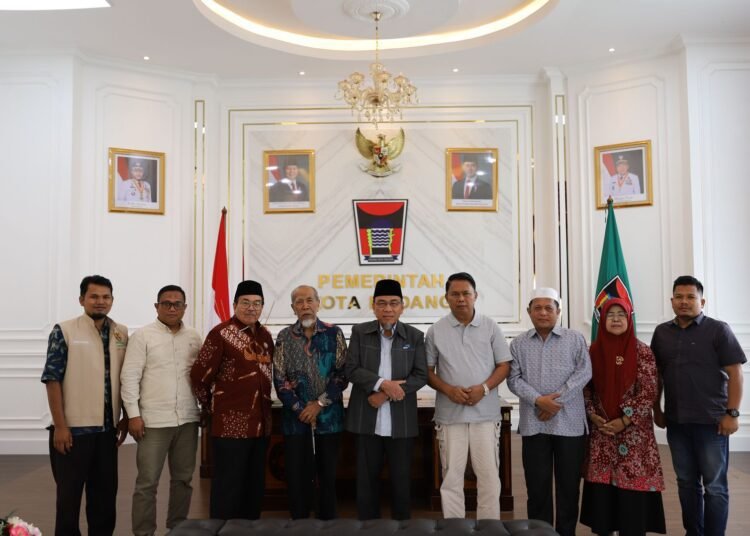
{"x": 308, "y": 373}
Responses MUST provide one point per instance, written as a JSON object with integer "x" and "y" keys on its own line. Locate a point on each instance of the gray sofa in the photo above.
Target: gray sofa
{"x": 346, "y": 527}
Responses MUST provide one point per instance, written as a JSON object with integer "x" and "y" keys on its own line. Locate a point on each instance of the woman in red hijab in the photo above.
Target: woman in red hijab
{"x": 623, "y": 479}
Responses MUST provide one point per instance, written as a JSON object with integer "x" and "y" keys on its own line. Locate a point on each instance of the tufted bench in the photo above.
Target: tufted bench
{"x": 346, "y": 527}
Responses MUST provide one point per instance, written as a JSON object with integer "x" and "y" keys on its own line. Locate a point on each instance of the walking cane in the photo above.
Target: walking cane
{"x": 316, "y": 495}
{"x": 312, "y": 436}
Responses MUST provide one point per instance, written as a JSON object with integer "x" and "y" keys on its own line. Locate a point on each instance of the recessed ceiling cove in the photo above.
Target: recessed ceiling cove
{"x": 344, "y": 29}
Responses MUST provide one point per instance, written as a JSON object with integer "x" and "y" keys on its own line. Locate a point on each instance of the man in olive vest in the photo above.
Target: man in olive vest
{"x": 82, "y": 375}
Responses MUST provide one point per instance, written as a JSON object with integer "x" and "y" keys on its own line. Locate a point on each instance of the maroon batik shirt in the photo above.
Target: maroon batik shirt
{"x": 630, "y": 459}
{"x": 232, "y": 378}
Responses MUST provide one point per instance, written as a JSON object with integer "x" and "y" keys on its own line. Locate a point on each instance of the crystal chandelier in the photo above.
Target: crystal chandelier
{"x": 382, "y": 101}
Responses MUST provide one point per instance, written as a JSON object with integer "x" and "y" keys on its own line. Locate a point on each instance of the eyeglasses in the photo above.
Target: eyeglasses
{"x": 617, "y": 315}
{"x": 176, "y": 305}
{"x": 382, "y": 304}
{"x": 247, "y": 304}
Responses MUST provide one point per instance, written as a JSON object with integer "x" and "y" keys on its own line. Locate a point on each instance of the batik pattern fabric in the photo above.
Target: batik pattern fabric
{"x": 311, "y": 369}
{"x": 57, "y": 362}
{"x": 558, "y": 364}
{"x": 231, "y": 379}
{"x": 629, "y": 460}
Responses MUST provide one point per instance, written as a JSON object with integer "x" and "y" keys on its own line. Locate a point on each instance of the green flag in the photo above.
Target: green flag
{"x": 613, "y": 276}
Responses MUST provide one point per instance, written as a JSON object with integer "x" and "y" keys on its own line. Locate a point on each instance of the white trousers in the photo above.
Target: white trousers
{"x": 456, "y": 442}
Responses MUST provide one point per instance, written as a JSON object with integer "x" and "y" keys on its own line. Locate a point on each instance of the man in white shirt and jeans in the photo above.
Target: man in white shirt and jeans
{"x": 158, "y": 397}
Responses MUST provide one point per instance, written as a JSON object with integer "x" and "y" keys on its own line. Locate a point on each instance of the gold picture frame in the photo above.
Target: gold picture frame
{"x": 136, "y": 181}
{"x": 471, "y": 179}
{"x": 288, "y": 181}
{"x": 623, "y": 171}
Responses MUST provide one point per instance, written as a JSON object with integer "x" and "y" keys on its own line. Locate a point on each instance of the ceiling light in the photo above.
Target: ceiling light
{"x": 523, "y": 12}
{"x": 383, "y": 100}
{"x": 50, "y": 5}
{"x": 146, "y": 58}
{"x": 302, "y": 73}
{"x": 455, "y": 69}
{"x": 611, "y": 49}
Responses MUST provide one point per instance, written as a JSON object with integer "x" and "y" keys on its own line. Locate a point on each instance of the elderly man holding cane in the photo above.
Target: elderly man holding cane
{"x": 309, "y": 378}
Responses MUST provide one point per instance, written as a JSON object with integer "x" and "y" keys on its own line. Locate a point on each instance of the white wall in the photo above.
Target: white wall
{"x": 36, "y": 101}
{"x": 692, "y": 105}
{"x": 717, "y": 79}
{"x": 60, "y": 115}
{"x": 249, "y": 108}
{"x": 623, "y": 103}
{"x": 718, "y": 83}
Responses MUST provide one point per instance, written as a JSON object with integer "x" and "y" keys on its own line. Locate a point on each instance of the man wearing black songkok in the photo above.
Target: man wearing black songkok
{"x": 231, "y": 379}
{"x": 386, "y": 366}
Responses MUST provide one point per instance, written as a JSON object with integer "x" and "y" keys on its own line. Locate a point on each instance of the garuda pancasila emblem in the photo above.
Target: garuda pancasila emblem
{"x": 380, "y": 153}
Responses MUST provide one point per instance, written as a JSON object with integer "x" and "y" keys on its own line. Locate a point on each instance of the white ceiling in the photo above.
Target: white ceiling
{"x": 176, "y": 35}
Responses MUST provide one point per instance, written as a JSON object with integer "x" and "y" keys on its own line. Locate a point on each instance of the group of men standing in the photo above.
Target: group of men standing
{"x": 169, "y": 381}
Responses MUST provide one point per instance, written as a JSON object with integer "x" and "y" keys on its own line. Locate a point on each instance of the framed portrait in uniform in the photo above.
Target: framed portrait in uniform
{"x": 623, "y": 171}
{"x": 136, "y": 181}
{"x": 471, "y": 179}
{"x": 289, "y": 181}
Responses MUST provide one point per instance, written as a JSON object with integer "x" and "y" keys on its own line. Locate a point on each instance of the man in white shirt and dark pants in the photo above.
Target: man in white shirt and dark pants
{"x": 158, "y": 397}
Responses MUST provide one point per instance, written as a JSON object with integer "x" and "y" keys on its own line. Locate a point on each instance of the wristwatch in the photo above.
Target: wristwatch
{"x": 733, "y": 412}
{"x": 486, "y": 389}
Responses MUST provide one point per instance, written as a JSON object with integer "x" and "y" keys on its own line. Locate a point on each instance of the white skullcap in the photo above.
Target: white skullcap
{"x": 547, "y": 292}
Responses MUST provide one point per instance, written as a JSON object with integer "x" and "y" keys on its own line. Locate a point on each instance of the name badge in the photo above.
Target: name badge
{"x": 406, "y": 347}
{"x": 79, "y": 342}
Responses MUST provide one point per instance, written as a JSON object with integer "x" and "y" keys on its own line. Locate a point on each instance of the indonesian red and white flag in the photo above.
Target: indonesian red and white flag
{"x": 274, "y": 173}
{"x": 220, "y": 278}
{"x": 607, "y": 169}
{"x": 457, "y": 169}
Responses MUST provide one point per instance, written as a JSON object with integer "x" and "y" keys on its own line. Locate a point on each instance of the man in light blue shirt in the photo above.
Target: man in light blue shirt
{"x": 550, "y": 368}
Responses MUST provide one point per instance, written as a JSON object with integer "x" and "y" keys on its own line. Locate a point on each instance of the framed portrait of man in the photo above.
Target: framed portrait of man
{"x": 471, "y": 179}
{"x": 623, "y": 171}
{"x": 136, "y": 181}
{"x": 289, "y": 181}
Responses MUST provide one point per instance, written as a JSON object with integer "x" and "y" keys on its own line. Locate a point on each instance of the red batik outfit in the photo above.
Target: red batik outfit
{"x": 630, "y": 460}
{"x": 623, "y": 479}
{"x": 232, "y": 379}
